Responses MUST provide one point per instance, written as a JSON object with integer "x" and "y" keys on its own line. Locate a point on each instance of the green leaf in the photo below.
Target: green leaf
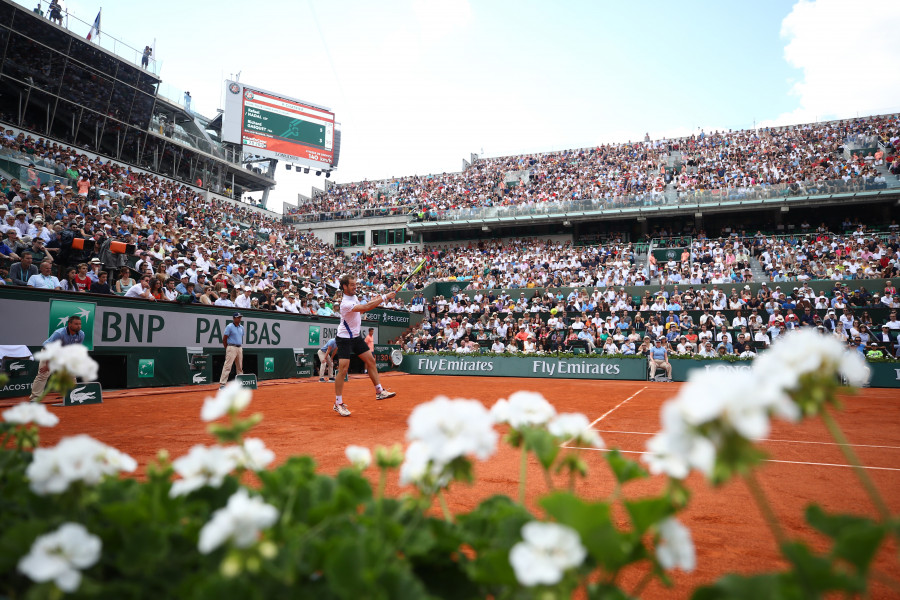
{"x": 609, "y": 546}
{"x": 545, "y": 445}
{"x": 816, "y": 574}
{"x": 856, "y": 538}
{"x": 605, "y": 592}
{"x": 625, "y": 470}
{"x": 647, "y": 512}
{"x": 756, "y": 587}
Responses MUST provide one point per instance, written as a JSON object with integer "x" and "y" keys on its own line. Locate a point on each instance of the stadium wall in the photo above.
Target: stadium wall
{"x": 142, "y": 344}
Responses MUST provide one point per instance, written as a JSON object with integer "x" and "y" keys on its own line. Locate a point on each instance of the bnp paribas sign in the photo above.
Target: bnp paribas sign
{"x": 61, "y": 310}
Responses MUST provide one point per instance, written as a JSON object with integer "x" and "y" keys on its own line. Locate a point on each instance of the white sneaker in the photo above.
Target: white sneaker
{"x": 384, "y": 395}
{"x": 341, "y": 409}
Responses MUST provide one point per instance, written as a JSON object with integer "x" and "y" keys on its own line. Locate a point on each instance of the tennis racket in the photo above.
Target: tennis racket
{"x": 408, "y": 277}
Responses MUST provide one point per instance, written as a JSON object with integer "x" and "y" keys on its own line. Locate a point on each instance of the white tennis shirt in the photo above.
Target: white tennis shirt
{"x": 349, "y": 318}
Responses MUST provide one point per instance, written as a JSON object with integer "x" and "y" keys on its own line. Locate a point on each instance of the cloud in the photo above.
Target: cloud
{"x": 438, "y": 18}
{"x": 848, "y": 56}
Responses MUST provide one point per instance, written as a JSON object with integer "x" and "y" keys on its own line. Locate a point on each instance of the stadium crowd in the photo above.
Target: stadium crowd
{"x": 706, "y": 321}
{"x": 106, "y": 228}
{"x": 807, "y": 158}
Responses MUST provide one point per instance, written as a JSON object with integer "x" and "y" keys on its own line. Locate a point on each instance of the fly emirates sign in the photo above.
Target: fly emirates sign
{"x": 526, "y": 367}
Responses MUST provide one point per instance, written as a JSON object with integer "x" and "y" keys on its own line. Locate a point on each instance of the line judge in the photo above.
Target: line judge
{"x": 233, "y": 341}
{"x": 70, "y": 334}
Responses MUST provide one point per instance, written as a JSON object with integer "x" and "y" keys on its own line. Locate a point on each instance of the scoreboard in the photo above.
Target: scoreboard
{"x": 276, "y": 126}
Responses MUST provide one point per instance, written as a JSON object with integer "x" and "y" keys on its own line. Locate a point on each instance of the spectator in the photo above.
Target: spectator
{"x": 101, "y": 286}
{"x": 22, "y": 271}
{"x": 141, "y": 289}
{"x": 125, "y": 281}
{"x": 44, "y": 280}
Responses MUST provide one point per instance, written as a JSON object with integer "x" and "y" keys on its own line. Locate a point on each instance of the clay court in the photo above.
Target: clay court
{"x": 730, "y": 535}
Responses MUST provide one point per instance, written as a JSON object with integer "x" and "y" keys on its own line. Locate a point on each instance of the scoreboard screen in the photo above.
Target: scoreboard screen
{"x": 275, "y": 126}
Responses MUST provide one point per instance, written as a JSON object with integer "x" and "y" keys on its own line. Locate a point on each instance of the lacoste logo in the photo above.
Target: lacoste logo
{"x": 16, "y": 366}
{"x": 80, "y": 396}
{"x": 198, "y": 378}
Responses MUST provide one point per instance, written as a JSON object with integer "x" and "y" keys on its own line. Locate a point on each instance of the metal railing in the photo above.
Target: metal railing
{"x": 651, "y": 199}
{"x": 80, "y": 27}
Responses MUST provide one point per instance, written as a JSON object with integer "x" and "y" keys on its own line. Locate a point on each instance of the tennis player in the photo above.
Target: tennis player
{"x": 350, "y": 343}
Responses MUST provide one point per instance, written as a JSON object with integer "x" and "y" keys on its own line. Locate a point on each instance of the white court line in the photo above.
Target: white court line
{"x": 767, "y": 440}
{"x": 607, "y": 413}
{"x": 787, "y": 462}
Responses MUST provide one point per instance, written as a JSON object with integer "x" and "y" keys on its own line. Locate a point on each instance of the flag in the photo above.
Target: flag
{"x": 95, "y": 28}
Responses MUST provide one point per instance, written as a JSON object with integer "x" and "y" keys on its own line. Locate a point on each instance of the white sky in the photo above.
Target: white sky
{"x": 418, "y": 85}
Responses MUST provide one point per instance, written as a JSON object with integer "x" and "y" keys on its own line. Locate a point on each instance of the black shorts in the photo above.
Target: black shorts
{"x": 347, "y": 348}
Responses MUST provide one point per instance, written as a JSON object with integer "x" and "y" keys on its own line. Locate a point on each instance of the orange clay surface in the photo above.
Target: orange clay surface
{"x": 728, "y": 530}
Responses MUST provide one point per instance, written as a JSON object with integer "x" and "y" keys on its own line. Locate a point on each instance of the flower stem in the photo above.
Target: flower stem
{"x": 382, "y": 482}
{"x": 549, "y": 480}
{"x": 648, "y": 576}
{"x": 444, "y": 508}
{"x": 523, "y": 473}
{"x": 759, "y": 496}
{"x": 835, "y": 430}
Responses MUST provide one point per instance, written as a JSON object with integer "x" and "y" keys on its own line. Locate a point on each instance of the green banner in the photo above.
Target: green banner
{"x": 389, "y": 318}
{"x": 884, "y": 374}
{"x": 314, "y": 335}
{"x": 146, "y": 368}
{"x": 664, "y": 255}
{"x": 449, "y": 288}
{"x": 681, "y": 367}
{"x": 61, "y": 310}
{"x": 545, "y": 368}
{"x": 85, "y": 393}
{"x": 201, "y": 370}
{"x": 248, "y": 380}
{"x": 21, "y": 372}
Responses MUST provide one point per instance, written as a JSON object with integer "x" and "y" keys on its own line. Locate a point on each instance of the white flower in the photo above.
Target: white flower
{"x": 853, "y": 366}
{"x": 419, "y": 470}
{"x": 737, "y": 398}
{"x": 233, "y": 397}
{"x": 500, "y": 411}
{"x": 453, "y": 428}
{"x": 676, "y": 450}
{"x": 30, "y": 412}
{"x": 61, "y": 555}
{"x": 203, "y": 466}
{"x": 801, "y": 352}
{"x": 675, "y": 549}
{"x": 77, "y": 458}
{"x": 528, "y": 409}
{"x": 253, "y": 455}
{"x": 548, "y": 550}
{"x": 359, "y": 456}
{"x": 73, "y": 359}
{"x": 575, "y": 427}
{"x": 240, "y": 522}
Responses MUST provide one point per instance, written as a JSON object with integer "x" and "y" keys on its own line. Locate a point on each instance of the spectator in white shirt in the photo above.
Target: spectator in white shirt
{"x": 244, "y": 300}
{"x": 290, "y": 303}
{"x": 141, "y": 290}
{"x": 44, "y": 280}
